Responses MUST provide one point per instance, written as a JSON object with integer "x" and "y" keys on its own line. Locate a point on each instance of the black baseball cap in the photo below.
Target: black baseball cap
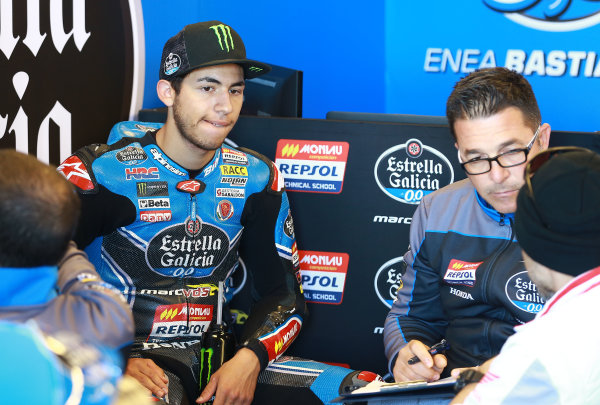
{"x": 557, "y": 221}
{"x": 205, "y": 44}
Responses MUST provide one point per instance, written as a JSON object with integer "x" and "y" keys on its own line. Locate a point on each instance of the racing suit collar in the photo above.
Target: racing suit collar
{"x": 490, "y": 211}
{"x": 27, "y": 286}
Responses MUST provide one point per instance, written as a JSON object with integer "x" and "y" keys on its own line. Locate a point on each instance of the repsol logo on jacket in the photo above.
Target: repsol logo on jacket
{"x": 461, "y": 272}
{"x": 172, "y": 252}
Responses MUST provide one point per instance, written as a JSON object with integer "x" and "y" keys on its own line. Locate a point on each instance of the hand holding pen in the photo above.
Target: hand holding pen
{"x": 440, "y": 347}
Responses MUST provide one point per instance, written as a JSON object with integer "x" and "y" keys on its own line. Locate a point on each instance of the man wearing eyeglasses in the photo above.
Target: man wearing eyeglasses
{"x": 465, "y": 281}
{"x": 558, "y": 226}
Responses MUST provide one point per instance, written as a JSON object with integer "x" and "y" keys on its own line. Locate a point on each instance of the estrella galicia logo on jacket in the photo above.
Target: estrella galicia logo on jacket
{"x": 189, "y": 320}
{"x": 131, "y": 155}
{"x": 460, "y": 272}
{"x": 410, "y": 171}
{"x": 161, "y": 159}
{"x": 152, "y": 189}
{"x": 173, "y": 253}
{"x": 142, "y": 173}
{"x": 556, "y": 16}
{"x": 523, "y": 293}
{"x": 323, "y": 276}
{"x": 224, "y": 210}
{"x": 388, "y": 280}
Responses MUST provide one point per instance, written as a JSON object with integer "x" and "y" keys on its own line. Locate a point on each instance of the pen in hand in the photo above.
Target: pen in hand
{"x": 440, "y": 347}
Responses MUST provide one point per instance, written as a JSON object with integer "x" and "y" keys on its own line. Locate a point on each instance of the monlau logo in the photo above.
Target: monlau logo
{"x": 290, "y": 150}
{"x": 322, "y": 260}
{"x": 223, "y": 33}
{"x": 322, "y": 149}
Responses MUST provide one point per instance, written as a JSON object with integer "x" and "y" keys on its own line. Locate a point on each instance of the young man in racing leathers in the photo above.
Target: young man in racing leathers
{"x": 166, "y": 216}
{"x": 465, "y": 280}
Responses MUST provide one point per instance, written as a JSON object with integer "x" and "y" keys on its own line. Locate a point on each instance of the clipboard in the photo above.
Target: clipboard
{"x": 443, "y": 388}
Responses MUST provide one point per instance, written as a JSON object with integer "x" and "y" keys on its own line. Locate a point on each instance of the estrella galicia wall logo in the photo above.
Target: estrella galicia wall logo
{"x": 323, "y": 276}
{"x": 388, "y": 280}
{"x": 410, "y": 171}
{"x": 549, "y": 15}
{"x": 523, "y": 293}
{"x": 65, "y": 40}
{"x": 173, "y": 253}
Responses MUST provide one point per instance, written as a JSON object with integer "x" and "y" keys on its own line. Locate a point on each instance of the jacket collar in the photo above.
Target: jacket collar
{"x": 491, "y": 212}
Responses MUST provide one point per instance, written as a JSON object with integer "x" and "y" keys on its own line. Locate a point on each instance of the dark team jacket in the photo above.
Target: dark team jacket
{"x": 464, "y": 279}
{"x": 166, "y": 240}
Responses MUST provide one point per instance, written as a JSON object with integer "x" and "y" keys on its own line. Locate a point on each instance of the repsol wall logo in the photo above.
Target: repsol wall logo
{"x": 410, "y": 171}
{"x": 187, "y": 320}
{"x": 388, "y": 280}
{"x": 49, "y": 63}
{"x": 312, "y": 166}
{"x": 173, "y": 253}
{"x": 523, "y": 293}
{"x": 549, "y": 15}
{"x": 323, "y": 276}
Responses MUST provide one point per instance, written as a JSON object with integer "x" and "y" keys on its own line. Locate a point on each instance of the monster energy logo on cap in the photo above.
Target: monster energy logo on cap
{"x": 223, "y": 33}
{"x": 204, "y": 44}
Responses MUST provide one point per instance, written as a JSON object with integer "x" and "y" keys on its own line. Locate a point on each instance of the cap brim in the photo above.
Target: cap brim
{"x": 251, "y": 68}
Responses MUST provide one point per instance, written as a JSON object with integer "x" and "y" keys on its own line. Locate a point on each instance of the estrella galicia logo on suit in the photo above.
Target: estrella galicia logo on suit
{"x": 388, "y": 280}
{"x": 173, "y": 253}
{"x": 131, "y": 155}
{"x": 523, "y": 293}
{"x": 556, "y": 15}
{"x": 410, "y": 171}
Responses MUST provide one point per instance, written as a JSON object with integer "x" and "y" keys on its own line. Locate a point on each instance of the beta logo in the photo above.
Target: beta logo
{"x": 323, "y": 276}
{"x": 554, "y": 16}
{"x": 146, "y": 203}
{"x": 410, "y": 171}
{"x": 388, "y": 280}
{"x": 312, "y": 166}
{"x": 180, "y": 320}
{"x": 142, "y": 173}
{"x": 461, "y": 273}
{"x": 523, "y": 293}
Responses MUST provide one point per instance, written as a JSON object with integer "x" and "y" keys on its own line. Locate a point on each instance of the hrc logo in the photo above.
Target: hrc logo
{"x": 141, "y": 173}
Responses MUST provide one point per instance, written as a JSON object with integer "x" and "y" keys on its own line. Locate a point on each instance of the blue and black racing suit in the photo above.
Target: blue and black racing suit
{"x": 166, "y": 236}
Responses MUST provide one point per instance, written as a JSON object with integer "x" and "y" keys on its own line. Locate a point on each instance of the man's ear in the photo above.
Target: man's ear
{"x": 165, "y": 92}
{"x": 545, "y": 136}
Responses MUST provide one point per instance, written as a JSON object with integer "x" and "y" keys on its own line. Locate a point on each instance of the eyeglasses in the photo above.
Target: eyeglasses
{"x": 514, "y": 157}
{"x": 538, "y": 161}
